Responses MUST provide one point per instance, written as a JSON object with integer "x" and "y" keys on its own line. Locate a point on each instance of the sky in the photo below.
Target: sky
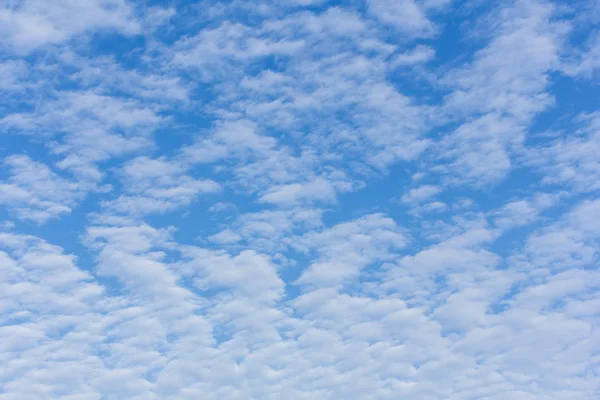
{"x": 300, "y": 199}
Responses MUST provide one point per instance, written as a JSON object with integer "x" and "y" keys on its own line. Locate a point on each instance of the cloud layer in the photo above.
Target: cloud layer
{"x": 299, "y": 200}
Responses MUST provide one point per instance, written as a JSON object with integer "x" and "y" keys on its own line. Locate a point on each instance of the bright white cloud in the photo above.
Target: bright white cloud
{"x": 299, "y": 200}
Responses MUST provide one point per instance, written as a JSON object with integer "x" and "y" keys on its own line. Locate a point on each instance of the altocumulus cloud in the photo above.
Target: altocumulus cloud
{"x": 296, "y": 200}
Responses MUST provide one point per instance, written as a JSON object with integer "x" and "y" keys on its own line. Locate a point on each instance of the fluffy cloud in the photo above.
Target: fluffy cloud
{"x": 29, "y": 24}
{"x": 369, "y": 200}
{"x": 157, "y": 186}
{"x": 35, "y": 192}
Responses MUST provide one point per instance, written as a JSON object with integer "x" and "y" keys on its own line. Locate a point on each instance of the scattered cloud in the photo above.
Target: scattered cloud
{"x": 30, "y": 24}
{"x": 299, "y": 200}
{"x": 157, "y": 186}
{"x": 35, "y": 192}
{"x": 420, "y": 194}
{"x": 407, "y": 16}
{"x": 570, "y": 159}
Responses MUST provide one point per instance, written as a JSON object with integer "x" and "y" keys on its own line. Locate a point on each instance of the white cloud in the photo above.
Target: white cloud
{"x": 50, "y": 311}
{"x": 510, "y": 73}
{"x": 420, "y": 194}
{"x": 480, "y": 150}
{"x": 226, "y": 236}
{"x": 29, "y": 24}
{"x": 407, "y": 16}
{"x": 586, "y": 63}
{"x": 233, "y": 42}
{"x": 291, "y": 194}
{"x": 427, "y": 208}
{"x": 525, "y": 211}
{"x": 504, "y": 87}
{"x": 568, "y": 243}
{"x": 105, "y": 73}
{"x": 420, "y": 54}
{"x": 34, "y": 192}
{"x": 249, "y": 273}
{"x": 221, "y": 207}
{"x": 231, "y": 138}
{"x": 347, "y": 248}
{"x": 299, "y": 276}
{"x": 158, "y": 16}
{"x": 89, "y": 127}
{"x": 344, "y": 75}
{"x": 157, "y": 186}
{"x": 571, "y": 159}
{"x": 516, "y": 213}
{"x": 12, "y": 74}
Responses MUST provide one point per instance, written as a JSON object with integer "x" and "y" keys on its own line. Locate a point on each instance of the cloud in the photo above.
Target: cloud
{"x": 420, "y": 54}
{"x": 569, "y": 242}
{"x": 231, "y": 138}
{"x": 585, "y": 63}
{"x": 104, "y": 73}
{"x": 249, "y": 273}
{"x": 291, "y": 194}
{"x": 221, "y": 207}
{"x": 525, "y": 211}
{"x": 157, "y": 16}
{"x": 569, "y": 159}
{"x": 234, "y": 42}
{"x": 348, "y": 247}
{"x": 90, "y": 128}
{"x": 259, "y": 200}
{"x": 343, "y": 76}
{"x": 420, "y": 194}
{"x": 503, "y": 89}
{"x": 406, "y": 16}
{"x": 226, "y": 236}
{"x": 30, "y": 24}
{"x": 12, "y": 73}
{"x": 52, "y": 306}
{"x": 157, "y": 186}
{"x": 34, "y": 192}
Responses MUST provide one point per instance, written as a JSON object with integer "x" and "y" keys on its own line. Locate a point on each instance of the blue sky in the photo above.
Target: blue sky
{"x": 299, "y": 199}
